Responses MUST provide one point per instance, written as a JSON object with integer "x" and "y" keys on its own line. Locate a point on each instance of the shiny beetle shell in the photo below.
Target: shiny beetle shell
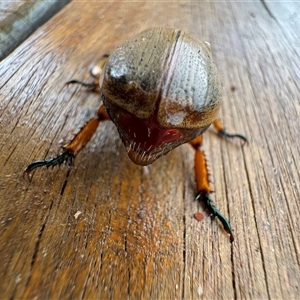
{"x": 161, "y": 90}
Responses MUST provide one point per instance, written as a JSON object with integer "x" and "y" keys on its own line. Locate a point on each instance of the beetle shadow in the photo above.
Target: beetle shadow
{"x": 102, "y": 156}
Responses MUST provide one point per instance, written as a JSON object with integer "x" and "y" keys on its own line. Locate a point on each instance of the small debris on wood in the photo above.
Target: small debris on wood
{"x": 199, "y": 216}
{"x": 77, "y": 214}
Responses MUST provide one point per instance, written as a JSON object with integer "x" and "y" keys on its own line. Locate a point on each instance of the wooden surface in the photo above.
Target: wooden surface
{"x": 107, "y": 228}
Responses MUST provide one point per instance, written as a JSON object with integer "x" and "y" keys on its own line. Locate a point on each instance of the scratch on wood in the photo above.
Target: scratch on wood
{"x": 263, "y": 2}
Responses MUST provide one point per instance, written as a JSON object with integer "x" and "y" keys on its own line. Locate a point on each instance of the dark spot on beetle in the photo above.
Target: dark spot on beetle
{"x": 193, "y": 89}
{"x": 108, "y": 68}
{"x": 122, "y": 79}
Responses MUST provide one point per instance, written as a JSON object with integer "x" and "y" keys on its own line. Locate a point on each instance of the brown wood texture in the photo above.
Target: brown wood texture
{"x": 107, "y": 228}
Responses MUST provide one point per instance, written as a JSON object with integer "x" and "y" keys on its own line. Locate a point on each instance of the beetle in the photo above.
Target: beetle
{"x": 160, "y": 89}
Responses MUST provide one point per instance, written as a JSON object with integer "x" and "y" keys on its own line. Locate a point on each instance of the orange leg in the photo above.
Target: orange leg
{"x": 74, "y": 147}
{"x": 203, "y": 186}
{"x": 222, "y": 132}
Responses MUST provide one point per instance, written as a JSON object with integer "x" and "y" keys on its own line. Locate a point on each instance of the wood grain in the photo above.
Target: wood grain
{"x": 106, "y": 228}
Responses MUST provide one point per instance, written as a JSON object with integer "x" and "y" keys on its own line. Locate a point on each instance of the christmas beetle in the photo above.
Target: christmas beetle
{"x": 160, "y": 89}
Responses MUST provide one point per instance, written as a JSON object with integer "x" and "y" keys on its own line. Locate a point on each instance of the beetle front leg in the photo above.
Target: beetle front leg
{"x": 223, "y": 133}
{"x": 203, "y": 186}
{"x": 74, "y": 147}
{"x": 95, "y": 73}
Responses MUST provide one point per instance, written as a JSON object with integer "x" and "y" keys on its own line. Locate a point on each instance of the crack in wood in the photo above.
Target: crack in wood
{"x": 65, "y": 182}
{"x": 37, "y": 245}
{"x": 264, "y": 4}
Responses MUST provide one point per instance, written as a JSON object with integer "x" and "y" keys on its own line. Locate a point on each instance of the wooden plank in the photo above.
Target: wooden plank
{"x": 19, "y": 19}
{"x": 135, "y": 235}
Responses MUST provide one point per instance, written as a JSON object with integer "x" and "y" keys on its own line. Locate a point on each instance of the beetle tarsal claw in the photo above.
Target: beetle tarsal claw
{"x": 64, "y": 157}
{"x": 204, "y": 196}
{"x": 27, "y": 174}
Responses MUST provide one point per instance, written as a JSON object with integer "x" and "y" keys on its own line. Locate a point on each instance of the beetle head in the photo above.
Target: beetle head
{"x": 145, "y": 139}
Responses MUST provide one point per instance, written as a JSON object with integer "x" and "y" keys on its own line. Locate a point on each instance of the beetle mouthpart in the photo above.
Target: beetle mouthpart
{"x": 141, "y": 157}
{"x": 146, "y": 140}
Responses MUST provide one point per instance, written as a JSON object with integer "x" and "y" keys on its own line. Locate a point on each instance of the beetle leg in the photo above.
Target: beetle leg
{"x": 74, "y": 147}
{"x": 95, "y": 73}
{"x": 203, "y": 186}
{"x": 92, "y": 86}
{"x": 223, "y": 133}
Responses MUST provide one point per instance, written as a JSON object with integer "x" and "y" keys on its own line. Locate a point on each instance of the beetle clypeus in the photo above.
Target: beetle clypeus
{"x": 161, "y": 90}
